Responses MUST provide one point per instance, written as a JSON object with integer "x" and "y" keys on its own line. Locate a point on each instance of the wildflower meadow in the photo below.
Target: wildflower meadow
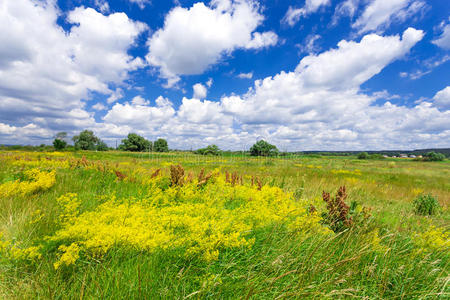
{"x": 121, "y": 225}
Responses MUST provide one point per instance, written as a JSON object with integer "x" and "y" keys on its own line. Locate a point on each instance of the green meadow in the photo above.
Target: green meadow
{"x": 121, "y": 225}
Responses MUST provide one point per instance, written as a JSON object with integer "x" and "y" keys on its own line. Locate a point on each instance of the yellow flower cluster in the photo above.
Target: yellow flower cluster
{"x": 70, "y": 255}
{"x": 355, "y": 172}
{"x": 201, "y": 219}
{"x": 9, "y": 250}
{"x": 37, "y": 181}
{"x": 432, "y": 240}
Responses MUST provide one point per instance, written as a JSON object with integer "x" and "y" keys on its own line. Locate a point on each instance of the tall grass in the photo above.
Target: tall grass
{"x": 377, "y": 260}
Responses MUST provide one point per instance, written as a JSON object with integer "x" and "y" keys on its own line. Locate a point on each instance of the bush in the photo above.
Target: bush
{"x": 425, "y": 205}
{"x": 210, "y": 150}
{"x": 263, "y": 148}
{"x": 434, "y": 156}
{"x": 363, "y": 155}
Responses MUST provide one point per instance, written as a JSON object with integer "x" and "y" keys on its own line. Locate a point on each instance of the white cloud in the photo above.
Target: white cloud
{"x": 140, "y": 3}
{"x": 309, "y": 45}
{"x": 99, "y": 106}
{"x": 139, "y": 100}
{"x": 195, "y": 38}
{"x": 443, "y": 41}
{"x": 209, "y": 83}
{"x": 139, "y": 114}
{"x": 380, "y": 13}
{"x": 116, "y": 95}
{"x": 293, "y": 15}
{"x": 102, "y": 5}
{"x": 200, "y": 91}
{"x": 248, "y": 75}
{"x": 442, "y": 99}
{"x": 54, "y": 70}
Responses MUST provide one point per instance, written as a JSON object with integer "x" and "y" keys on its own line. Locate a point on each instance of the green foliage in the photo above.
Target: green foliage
{"x": 210, "y": 150}
{"x": 160, "y": 145}
{"x": 363, "y": 155}
{"x": 434, "y": 156}
{"x": 263, "y": 148}
{"x": 135, "y": 143}
{"x": 425, "y": 205}
{"x": 86, "y": 140}
{"x": 59, "y": 144}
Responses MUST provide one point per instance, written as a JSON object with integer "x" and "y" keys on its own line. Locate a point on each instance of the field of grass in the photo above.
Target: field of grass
{"x": 119, "y": 225}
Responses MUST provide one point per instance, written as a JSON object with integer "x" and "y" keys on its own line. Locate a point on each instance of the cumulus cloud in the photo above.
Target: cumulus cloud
{"x": 192, "y": 39}
{"x": 442, "y": 99}
{"x": 380, "y": 13}
{"x": 443, "y": 40}
{"x": 54, "y": 70}
{"x": 200, "y": 91}
{"x": 293, "y": 15}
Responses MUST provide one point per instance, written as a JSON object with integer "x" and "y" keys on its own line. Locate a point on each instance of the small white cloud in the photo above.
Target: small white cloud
{"x": 200, "y": 91}
{"x": 138, "y": 100}
{"x": 248, "y": 75}
{"x": 443, "y": 40}
{"x": 209, "y": 82}
{"x": 140, "y": 3}
{"x": 102, "y": 5}
{"x": 99, "y": 106}
{"x": 116, "y": 95}
{"x": 293, "y": 15}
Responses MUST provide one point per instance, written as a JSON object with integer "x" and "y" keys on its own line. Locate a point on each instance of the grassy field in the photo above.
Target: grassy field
{"x": 117, "y": 225}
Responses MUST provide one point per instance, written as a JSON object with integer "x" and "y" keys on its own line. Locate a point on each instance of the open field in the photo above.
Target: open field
{"x": 123, "y": 225}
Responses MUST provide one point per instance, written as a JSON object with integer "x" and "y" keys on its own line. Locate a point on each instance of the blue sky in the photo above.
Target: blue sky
{"x": 305, "y": 75}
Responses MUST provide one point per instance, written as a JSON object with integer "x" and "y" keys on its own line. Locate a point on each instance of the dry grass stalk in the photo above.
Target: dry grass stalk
{"x": 177, "y": 175}
{"x": 338, "y": 210}
{"x": 120, "y": 175}
{"x": 202, "y": 179}
{"x": 156, "y": 173}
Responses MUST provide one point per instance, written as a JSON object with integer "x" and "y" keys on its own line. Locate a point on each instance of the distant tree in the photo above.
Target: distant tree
{"x": 363, "y": 155}
{"x": 263, "y": 148}
{"x": 433, "y": 156}
{"x": 210, "y": 150}
{"x": 101, "y": 146}
{"x": 160, "y": 145}
{"x": 135, "y": 142}
{"x": 60, "y": 141}
{"x": 86, "y": 140}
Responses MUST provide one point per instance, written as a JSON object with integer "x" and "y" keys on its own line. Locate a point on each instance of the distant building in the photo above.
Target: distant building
{"x": 419, "y": 156}
{"x": 394, "y": 156}
{"x": 385, "y": 156}
{"x": 412, "y": 156}
{"x": 403, "y": 156}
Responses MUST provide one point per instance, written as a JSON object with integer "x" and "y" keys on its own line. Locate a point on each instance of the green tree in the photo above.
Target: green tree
{"x": 160, "y": 145}
{"x": 135, "y": 142}
{"x": 86, "y": 140}
{"x": 434, "y": 156}
{"x": 60, "y": 141}
{"x": 263, "y": 148}
{"x": 210, "y": 150}
{"x": 363, "y": 155}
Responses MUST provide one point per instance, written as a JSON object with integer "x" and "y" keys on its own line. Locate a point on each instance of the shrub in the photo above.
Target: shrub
{"x": 337, "y": 215}
{"x": 425, "y": 205}
{"x": 210, "y": 150}
{"x": 433, "y": 156}
{"x": 363, "y": 155}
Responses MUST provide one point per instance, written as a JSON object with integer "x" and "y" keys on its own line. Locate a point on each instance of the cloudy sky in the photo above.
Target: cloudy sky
{"x": 304, "y": 75}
